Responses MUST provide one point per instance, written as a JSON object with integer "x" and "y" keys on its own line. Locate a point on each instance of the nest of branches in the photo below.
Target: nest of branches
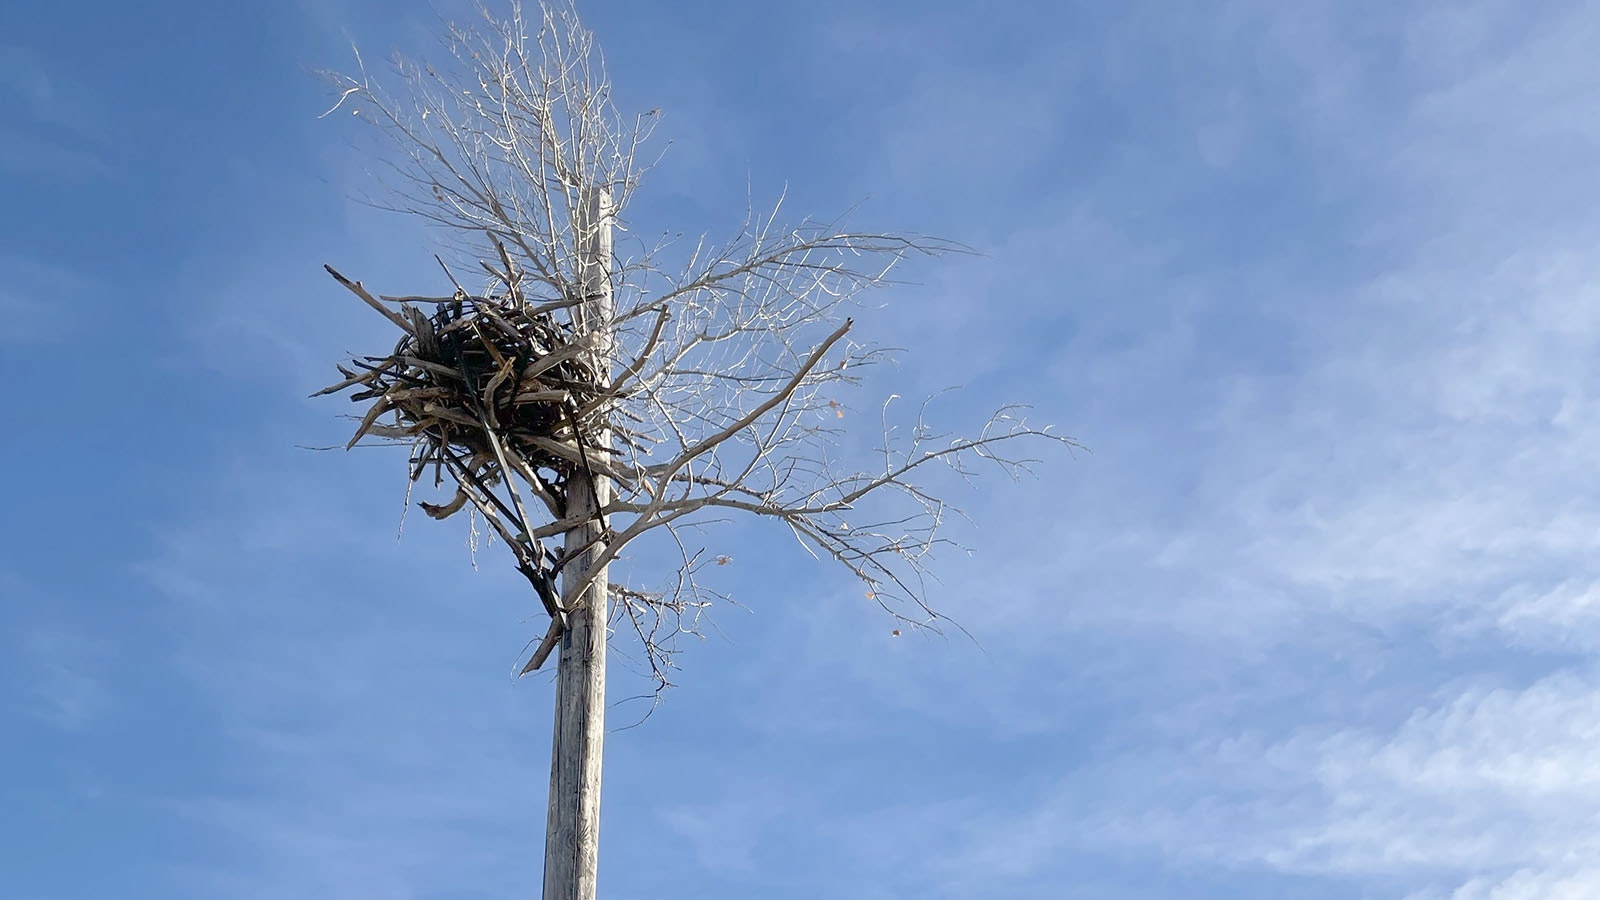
{"x": 485, "y": 389}
{"x": 483, "y": 377}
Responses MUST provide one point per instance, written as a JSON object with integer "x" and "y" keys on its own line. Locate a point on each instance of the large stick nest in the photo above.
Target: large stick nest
{"x": 486, "y": 389}
{"x": 483, "y": 383}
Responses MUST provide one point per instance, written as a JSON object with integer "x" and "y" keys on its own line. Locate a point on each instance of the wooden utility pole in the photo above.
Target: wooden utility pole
{"x": 572, "y": 833}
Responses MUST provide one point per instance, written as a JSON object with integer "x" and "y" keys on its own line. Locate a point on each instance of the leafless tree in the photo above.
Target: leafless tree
{"x": 608, "y": 396}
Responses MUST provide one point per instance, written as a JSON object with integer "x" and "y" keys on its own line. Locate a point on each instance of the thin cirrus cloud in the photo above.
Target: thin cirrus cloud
{"x": 55, "y": 132}
{"x": 38, "y": 300}
{"x": 1315, "y": 288}
{"x": 346, "y": 703}
{"x": 1419, "y": 472}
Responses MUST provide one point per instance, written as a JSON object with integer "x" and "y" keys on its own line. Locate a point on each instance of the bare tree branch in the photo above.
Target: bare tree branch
{"x": 721, "y": 386}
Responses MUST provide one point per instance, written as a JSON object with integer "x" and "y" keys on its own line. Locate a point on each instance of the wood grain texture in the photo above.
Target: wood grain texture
{"x": 572, "y": 834}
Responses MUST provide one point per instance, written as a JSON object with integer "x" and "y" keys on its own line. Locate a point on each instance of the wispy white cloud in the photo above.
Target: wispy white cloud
{"x": 56, "y": 131}
{"x": 63, "y": 679}
{"x": 1527, "y": 884}
{"x": 48, "y": 97}
{"x": 347, "y": 675}
{"x": 1398, "y": 519}
{"x": 31, "y": 156}
{"x": 1561, "y": 617}
{"x": 1489, "y": 790}
{"x": 1314, "y": 607}
{"x": 60, "y": 672}
{"x": 1490, "y": 782}
{"x": 38, "y": 299}
{"x": 725, "y": 830}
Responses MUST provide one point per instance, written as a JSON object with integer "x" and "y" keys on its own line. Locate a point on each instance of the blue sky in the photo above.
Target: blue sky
{"x": 1316, "y": 618}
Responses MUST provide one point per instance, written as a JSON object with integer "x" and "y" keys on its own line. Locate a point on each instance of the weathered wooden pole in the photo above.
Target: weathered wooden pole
{"x": 572, "y": 832}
